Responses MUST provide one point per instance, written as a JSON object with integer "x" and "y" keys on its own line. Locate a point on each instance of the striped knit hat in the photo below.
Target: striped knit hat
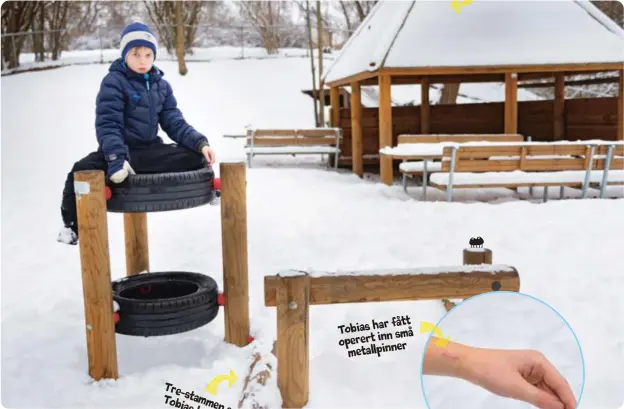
{"x": 137, "y": 34}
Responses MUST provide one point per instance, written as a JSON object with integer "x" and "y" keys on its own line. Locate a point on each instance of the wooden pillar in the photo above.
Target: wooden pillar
{"x": 96, "y": 275}
{"x": 334, "y": 100}
{"x": 559, "y": 108}
{"x": 511, "y": 103}
{"x": 234, "y": 247}
{"x": 137, "y": 249}
{"x": 385, "y": 128}
{"x": 293, "y": 345}
{"x": 425, "y": 111}
{"x": 357, "y": 141}
{"x": 620, "y": 112}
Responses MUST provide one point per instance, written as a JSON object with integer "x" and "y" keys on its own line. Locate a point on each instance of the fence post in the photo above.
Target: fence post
{"x": 96, "y": 275}
{"x": 234, "y": 248}
{"x": 471, "y": 256}
{"x": 293, "y": 346}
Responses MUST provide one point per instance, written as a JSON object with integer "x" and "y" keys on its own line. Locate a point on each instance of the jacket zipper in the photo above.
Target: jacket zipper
{"x": 149, "y": 95}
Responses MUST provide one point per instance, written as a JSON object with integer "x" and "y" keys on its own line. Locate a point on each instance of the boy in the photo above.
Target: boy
{"x": 132, "y": 102}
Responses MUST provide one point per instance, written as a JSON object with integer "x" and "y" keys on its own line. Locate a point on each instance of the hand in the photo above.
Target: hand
{"x": 209, "y": 154}
{"x": 122, "y": 173}
{"x": 517, "y": 374}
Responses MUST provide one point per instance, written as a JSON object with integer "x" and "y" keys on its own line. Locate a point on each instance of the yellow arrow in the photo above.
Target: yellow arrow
{"x": 214, "y": 383}
{"x": 458, "y": 4}
{"x": 429, "y": 327}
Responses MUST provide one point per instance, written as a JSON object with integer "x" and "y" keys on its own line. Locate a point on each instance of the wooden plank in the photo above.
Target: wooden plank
{"x": 385, "y": 128}
{"x": 460, "y": 138}
{"x": 356, "y": 130}
{"x": 507, "y": 185}
{"x": 532, "y": 149}
{"x": 310, "y": 141}
{"x": 334, "y": 100}
{"x": 511, "y": 103}
{"x": 425, "y": 112}
{"x": 312, "y": 132}
{"x": 620, "y": 107}
{"x": 418, "y": 284}
{"x": 477, "y": 165}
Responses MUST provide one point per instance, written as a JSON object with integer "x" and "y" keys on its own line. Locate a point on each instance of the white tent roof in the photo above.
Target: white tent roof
{"x": 429, "y": 33}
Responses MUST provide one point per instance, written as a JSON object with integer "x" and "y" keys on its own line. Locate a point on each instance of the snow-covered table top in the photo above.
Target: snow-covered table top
{"x": 436, "y": 150}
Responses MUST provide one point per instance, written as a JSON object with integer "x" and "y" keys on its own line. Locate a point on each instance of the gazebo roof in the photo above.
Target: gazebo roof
{"x": 486, "y": 36}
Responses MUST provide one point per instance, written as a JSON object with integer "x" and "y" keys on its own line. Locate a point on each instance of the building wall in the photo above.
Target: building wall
{"x": 592, "y": 118}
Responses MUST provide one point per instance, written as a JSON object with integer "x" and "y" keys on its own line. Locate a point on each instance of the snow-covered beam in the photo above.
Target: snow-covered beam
{"x": 428, "y": 283}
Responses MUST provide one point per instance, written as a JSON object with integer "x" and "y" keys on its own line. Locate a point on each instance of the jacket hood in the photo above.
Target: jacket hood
{"x": 119, "y": 65}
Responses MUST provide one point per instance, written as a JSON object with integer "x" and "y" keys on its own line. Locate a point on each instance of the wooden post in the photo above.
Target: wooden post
{"x": 357, "y": 150}
{"x": 334, "y": 119}
{"x": 385, "y": 128}
{"x": 96, "y": 275}
{"x": 137, "y": 249}
{"x": 511, "y": 103}
{"x": 620, "y": 111}
{"x": 559, "y": 108}
{"x": 234, "y": 247}
{"x": 293, "y": 358}
{"x": 425, "y": 111}
{"x": 477, "y": 256}
{"x": 472, "y": 256}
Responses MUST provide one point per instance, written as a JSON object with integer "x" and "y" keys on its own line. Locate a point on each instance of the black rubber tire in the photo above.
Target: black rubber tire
{"x": 157, "y": 313}
{"x": 161, "y": 192}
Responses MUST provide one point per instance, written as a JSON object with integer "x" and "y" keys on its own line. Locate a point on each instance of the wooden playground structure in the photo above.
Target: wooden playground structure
{"x": 290, "y": 292}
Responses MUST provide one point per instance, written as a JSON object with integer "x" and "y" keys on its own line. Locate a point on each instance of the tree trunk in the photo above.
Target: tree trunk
{"x": 449, "y": 94}
{"x": 314, "y": 91}
{"x": 319, "y": 43}
{"x": 180, "y": 38}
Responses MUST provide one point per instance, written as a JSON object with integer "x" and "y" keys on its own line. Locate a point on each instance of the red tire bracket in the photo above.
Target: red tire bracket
{"x": 115, "y": 317}
{"x": 220, "y": 299}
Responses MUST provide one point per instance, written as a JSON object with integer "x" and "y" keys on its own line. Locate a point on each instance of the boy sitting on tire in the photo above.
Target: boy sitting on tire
{"x": 132, "y": 102}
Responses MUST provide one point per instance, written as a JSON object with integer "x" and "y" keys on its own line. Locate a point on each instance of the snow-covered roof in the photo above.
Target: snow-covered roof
{"x": 429, "y": 33}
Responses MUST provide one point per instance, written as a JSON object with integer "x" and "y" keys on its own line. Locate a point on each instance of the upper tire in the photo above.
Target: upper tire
{"x": 162, "y": 192}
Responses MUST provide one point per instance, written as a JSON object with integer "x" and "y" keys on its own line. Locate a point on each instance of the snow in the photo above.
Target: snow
{"x": 486, "y": 268}
{"x": 300, "y": 216}
{"x": 420, "y": 166}
{"x": 520, "y": 177}
{"x": 432, "y": 34}
{"x": 291, "y": 149}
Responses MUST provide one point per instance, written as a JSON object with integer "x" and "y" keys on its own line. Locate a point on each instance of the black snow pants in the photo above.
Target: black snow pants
{"x": 157, "y": 158}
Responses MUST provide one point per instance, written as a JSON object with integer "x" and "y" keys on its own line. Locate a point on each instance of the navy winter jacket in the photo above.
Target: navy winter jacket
{"x": 129, "y": 108}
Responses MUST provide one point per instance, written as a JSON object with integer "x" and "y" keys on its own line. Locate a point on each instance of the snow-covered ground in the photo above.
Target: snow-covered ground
{"x": 300, "y": 216}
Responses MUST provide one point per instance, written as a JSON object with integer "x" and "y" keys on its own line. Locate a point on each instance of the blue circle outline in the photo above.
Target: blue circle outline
{"x": 422, "y": 385}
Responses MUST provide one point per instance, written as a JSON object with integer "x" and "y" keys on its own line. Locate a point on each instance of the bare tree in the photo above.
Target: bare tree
{"x": 319, "y": 44}
{"x": 311, "y": 48}
{"x": 163, "y": 15}
{"x": 266, "y": 17}
{"x": 16, "y": 18}
{"x": 180, "y": 38}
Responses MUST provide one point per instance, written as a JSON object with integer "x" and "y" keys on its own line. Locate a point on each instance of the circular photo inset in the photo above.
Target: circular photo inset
{"x": 502, "y": 350}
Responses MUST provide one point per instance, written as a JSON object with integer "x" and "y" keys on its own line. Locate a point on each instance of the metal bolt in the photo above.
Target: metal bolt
{"x": 292, "y": 305}
{"x": 89, "y": 327}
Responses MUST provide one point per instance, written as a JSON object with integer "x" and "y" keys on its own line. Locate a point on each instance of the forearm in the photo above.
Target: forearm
{"x": 449, "y": 360}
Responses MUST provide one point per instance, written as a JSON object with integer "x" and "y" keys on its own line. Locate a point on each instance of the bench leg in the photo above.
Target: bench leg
{"x": 424, "y": 182}
{"x": 405, "y": 182}
{"x": 249, "y": 160}
{"x": 545, "y": 194}
{"x": 561, "y": 192}
{"x": 335, "y": 160}
{"x": 530, "y": 190}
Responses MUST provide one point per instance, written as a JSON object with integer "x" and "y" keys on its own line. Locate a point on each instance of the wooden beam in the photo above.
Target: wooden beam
{"x": 592, "y": 81}
{"x": 511, "y": 103}
{"x": 425, "y": 111}
{"x": 357, "y": 140}
{"x": 559, "y": 108}
{"x": 385, "y": 128}
{"x": 359, "y": 77}
{"x": 620, "y": 111}
{"x": 416, "y": 284}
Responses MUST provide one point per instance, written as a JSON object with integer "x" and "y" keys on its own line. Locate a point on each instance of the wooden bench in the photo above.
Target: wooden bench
{"x": 293, "y": 141}
{"x": 411, "y": 166}
{"x": 513, "y": 165}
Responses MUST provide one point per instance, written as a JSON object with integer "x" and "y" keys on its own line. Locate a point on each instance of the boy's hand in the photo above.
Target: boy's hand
{"x": 122, "y": 173}
{"x": 209, "y": 154}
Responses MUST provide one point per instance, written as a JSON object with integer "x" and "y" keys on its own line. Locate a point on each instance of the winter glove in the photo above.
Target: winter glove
{"x": 122, "y": 173}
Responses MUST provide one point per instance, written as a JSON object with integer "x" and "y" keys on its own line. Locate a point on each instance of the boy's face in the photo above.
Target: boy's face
{"x": 140, "y": 59}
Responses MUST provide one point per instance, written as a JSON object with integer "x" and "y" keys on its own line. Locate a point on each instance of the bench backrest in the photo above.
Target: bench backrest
{"x": 531, "y": 157}
{"x": 459, "y": 138}
{"x": 293, "y": 137}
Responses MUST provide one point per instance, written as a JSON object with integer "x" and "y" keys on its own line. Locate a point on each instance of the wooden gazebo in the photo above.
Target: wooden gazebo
{"x": 428, "y": 42}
